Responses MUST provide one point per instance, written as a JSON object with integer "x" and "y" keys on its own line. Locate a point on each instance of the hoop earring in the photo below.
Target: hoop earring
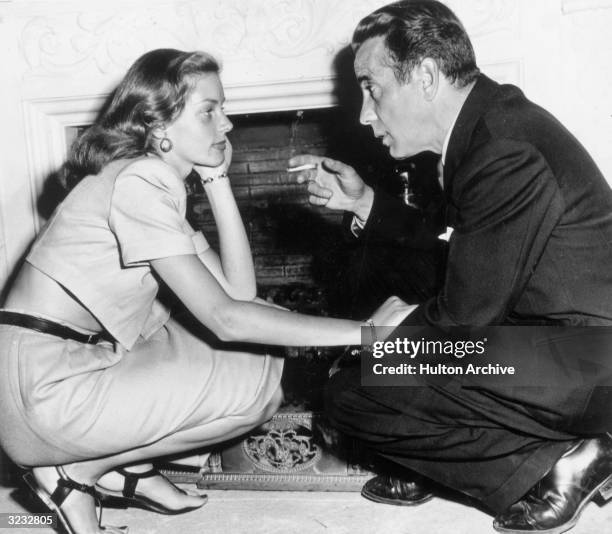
{"x": 165, "y": 145}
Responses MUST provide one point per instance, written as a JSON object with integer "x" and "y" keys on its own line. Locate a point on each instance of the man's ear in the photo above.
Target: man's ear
{"x": 429, "y": 78}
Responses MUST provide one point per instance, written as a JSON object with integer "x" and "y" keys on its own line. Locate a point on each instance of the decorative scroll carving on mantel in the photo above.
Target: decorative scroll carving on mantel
{"x": 572, "y": 6}
{"x": 280, "y": 28}
{"x": 258, "y": 42}
{"x": 105, "y": 40}
{"x": 67, "y": 43}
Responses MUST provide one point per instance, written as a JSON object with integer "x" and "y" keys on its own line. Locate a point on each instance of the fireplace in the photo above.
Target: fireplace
{"x": 300, "y": 254}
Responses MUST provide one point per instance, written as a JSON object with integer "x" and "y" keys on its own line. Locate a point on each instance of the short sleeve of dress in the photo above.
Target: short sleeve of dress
{"x": 147, "y": 214}
{"x": 199, "y": 242}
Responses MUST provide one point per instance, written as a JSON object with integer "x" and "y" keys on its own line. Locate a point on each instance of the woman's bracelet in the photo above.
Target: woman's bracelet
{"x": 372, "y": 329}
{"x": 211, "y": 179}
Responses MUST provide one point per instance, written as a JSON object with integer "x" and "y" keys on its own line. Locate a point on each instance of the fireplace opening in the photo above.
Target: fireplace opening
{"x": 303, "y": 254}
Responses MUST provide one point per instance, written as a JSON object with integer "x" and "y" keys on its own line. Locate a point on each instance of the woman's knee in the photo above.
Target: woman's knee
{"x": 271, "y": 406}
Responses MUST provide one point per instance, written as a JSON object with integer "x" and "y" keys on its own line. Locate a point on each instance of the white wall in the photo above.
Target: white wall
{"x": 60, "y": 57}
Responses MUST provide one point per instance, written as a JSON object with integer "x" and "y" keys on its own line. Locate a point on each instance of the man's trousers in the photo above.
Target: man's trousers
{"x": 491, "y": 444}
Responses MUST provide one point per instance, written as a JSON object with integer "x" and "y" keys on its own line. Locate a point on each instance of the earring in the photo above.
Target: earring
{"x": 165, "y": 145}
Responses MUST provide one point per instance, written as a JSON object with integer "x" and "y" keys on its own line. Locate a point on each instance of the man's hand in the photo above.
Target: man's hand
{"x": 334, "y": 185}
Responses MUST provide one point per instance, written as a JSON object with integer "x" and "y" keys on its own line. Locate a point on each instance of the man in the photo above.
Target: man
{"x": 531, "y": 243}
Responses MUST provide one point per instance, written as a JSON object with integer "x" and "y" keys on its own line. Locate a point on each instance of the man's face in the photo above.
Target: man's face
{"x": 396, "y": 111}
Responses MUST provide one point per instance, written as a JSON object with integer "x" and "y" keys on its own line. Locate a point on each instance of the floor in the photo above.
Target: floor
{"x": 259, "y": 512}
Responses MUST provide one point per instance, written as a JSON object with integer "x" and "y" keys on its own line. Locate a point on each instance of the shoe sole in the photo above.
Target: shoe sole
{"x": 604, "y": 488}
{"x": 395, "y": 502}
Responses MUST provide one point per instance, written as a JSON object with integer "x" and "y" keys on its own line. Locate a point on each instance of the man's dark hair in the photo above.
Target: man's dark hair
{"x": 417, "y": 29}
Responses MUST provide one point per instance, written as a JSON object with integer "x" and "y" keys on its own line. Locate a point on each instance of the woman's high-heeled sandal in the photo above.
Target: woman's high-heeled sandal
{"x": 128, "y": 497}
{"x": 54, "y": 501}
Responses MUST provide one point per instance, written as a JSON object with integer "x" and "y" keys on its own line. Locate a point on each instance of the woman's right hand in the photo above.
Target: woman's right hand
{"x": 388, "y": 316}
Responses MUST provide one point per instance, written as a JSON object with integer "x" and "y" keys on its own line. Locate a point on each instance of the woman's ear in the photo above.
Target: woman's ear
{"x": 159, "y": 134}
{"x": 158, "y": 131}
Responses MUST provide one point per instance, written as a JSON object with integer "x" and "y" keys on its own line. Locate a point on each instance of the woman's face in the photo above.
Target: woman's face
{"x": 198, "y": 133}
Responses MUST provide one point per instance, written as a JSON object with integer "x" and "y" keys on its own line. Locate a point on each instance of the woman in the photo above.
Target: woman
{"x": 94, "y": 375}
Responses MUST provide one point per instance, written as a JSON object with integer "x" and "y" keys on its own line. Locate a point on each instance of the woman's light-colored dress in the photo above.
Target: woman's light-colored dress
{"x": 61, "y": 400}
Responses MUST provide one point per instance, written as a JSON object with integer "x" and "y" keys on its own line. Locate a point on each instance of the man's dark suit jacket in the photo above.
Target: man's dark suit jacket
{"x": 532, "y": 243}
{"x": 532, "y": 219}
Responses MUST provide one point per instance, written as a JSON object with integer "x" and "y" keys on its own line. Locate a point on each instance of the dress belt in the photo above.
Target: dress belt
{"x": 49, "y": 327}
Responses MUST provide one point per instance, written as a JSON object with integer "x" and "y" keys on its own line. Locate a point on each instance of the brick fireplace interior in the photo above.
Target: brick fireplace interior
{"x": 299, "y": 250}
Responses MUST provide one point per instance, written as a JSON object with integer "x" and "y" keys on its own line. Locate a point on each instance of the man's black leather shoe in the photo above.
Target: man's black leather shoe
{"x": 392, "y": 490}
{"x": 555, "y": 503}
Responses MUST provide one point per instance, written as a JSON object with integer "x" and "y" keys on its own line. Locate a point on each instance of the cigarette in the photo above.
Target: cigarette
{"x": 306, "y": 167}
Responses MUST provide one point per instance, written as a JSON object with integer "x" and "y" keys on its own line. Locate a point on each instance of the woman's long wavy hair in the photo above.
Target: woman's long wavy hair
{"x": 151, "y": 95}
